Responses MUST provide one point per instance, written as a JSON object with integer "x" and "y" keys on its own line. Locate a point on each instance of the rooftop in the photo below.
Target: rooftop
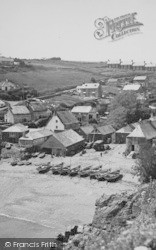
{"x": 140, "y": 78}
{"x": 19, "y": 110}
{"x": 67, "y": 117}
{"x": 18, "y": 128}
{"x": 81, "y": 109}
{"x": 89, "y": 85}
{"x": 134, "y": 87}
{"x": 68, "y": 137}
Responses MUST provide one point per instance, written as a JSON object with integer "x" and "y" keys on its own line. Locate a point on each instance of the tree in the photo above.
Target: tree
{"x": 93, "y": 80}
{"x": 117, "y": 117}
{"x": 146, "y": 165}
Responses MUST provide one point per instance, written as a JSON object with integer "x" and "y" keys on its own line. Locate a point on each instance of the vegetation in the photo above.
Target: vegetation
{"x": 146, "y": 164}
{"x": 125, "y": 109}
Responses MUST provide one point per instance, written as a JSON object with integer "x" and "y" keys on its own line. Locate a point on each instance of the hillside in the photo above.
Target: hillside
{"x": 48, "y": 75}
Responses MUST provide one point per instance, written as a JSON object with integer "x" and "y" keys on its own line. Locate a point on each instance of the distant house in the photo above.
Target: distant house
{"x": 93, "y": 90}
{"x": 126, "y": 64}
{"x": 64, "y": 143}
{"x": 17, "y": 114}
{"x": 142, "y": 80}
{"x": 85, "y": 113}
{"x": 37, "y": 109}
{"x": 145, "y": 131}
{"x": 8, "y": 85}
{"x": 105, "y": 133}
{"x": 113, "y": 82}
{"x": 62, "y": 120}
{"x": 85, "y": 131}
{"x": 6, "y": 61}
{"x": 34, "y": 138}
{"x": 13, "y": 133}
{"x": 139, "y": 66}
{"x": 113, "y": 64}
{"x": 150, "y": 67}
{"x": 122, "y": 133}
{"x": 132, "y": 87}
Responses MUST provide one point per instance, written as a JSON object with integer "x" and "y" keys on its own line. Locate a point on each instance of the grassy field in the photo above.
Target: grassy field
{"x": 47, "y": 75}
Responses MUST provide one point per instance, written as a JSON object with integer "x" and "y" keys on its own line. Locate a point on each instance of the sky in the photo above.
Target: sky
{"x": 65, "y": 28}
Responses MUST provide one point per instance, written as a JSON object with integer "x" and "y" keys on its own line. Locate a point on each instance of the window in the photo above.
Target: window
{"x": 56, "y": 126}
{"x": 56, "y": 121}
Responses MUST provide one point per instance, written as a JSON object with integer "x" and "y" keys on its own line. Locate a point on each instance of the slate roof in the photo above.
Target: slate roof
{"x": 125, "y": 130}
{"x": 146, "y": 129}
{"x": 66, "y": 138}
{"x": 37, "y": 134}
{"x": 81, "y": 109}
{"x": 87, "y": 129}
{"x": 37, "y": 106}
{"x": 140, "y": 78}
{"x": 19, "y": 110}
{"x": 105, "y": 130}
{"x": 134, "y": 87}
{"x": 66, "y": 117}
{"x": 17, "y": 128}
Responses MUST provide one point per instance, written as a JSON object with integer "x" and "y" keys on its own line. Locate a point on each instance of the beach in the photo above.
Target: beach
{"x": 36, "y": 205}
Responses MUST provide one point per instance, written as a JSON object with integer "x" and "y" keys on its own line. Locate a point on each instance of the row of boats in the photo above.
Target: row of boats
{"x": 91, "y": 172}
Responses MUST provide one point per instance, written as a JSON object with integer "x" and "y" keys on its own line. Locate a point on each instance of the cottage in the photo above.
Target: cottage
{"x": 85, "y": 113}
{"x": 126, "y": 64}
{"x": 150, "y": 67}
{"x": 34, "y": 138}
{"x": 8, "y": 85}
{"x": 6, "y": 61}
{"x": 62, "y": 120}
{"x": 121, "y": 134}
{"x": 85, "y": 131}
{"x": 142, "y": 80}
{"x": 145, "y": 131}
{"x": 139, "y": 66}
{"x": 13, "y": 133}
{"x": 105, "y": 133}
{"x": 37, "y": 109}
{"x": 17, "y": 114}
{"x": 64, "y": 143}
{"x": 114, "y": 64}
{"x": 92, "y": 90}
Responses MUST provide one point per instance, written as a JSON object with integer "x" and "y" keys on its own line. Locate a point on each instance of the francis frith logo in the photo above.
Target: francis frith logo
{"x": 117, "y": 28}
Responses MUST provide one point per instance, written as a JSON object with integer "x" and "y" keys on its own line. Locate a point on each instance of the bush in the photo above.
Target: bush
{"x": 146, "y": 164}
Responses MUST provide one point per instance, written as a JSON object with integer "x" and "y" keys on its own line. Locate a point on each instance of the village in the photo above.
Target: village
{"x": 76, "y": 122}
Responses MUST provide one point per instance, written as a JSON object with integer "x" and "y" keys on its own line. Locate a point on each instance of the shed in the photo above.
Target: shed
{"x": 13, "y": 133}
{"x": 64, "y": 143}
{"x": 105, "y": 133}
{"x": 17, "y": 114}
{"x": 121, "y": 134}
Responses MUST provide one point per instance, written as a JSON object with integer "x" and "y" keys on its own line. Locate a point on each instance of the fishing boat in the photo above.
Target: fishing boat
{"x": 74, "y": 171}
{"x": 43, "y": 169}
{"x": 42, "y": 155}
{"x": 56, "y": 169}
{"x": 113, "y": 177}
{"x": 13, "y": 163}
{"x": 65, "y": 170}
{"x": 35, "y": 154}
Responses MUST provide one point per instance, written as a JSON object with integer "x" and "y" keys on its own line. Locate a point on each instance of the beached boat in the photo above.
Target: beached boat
{"x": 56, "y": 169}
{"x": 74, "y": 171}
{"x": 43, "y": 169}
{"x": 35, "y": 154}
{"x": 113, "y": 177}
{"x": 65, "y": 170}
{"x": 13, "y": 163}
{"x": 42, "y": 155}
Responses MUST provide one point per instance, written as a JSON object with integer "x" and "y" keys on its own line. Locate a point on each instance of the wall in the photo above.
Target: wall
{"x": 55, "y": 124}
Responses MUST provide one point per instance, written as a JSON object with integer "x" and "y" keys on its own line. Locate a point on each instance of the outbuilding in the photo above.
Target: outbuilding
{"x": 13, "y": 133}
{"x": 64, "y": 143}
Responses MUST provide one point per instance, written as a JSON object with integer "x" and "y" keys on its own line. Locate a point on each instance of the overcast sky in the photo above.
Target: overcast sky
{"x": 65, "y": 28}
